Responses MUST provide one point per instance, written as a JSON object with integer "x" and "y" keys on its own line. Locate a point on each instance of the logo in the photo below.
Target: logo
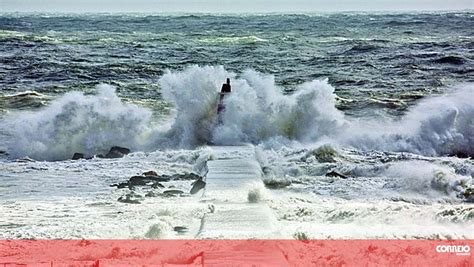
{"x": 460, "y": 250}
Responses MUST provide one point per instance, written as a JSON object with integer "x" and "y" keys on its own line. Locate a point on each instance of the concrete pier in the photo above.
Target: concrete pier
{"x": 236, "y": 195}
{"x": 235, "y": 191}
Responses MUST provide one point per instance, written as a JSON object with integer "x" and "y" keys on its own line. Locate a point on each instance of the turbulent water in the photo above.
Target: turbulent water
{"x": 364, "y": 122}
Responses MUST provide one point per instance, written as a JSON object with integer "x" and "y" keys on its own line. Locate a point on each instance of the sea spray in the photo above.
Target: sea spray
{"x": 441, "y": 125}
{"x": 428, "y": 178}
{"x": 194, "y": 93}
{"x": 77, "y": 123}
{"x": 256, "y": 112}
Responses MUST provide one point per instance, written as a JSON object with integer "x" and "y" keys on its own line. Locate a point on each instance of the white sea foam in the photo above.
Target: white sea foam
{"x": 256, "y": 112}
{"x": 436, "y": 126}
{"x": 428, "y": 178}
{"x": 77, "y": 123}
{"x": 194, "y": 94}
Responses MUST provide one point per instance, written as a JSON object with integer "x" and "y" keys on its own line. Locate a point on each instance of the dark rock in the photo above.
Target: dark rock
{"x": 121, "y": 185}
{"x": 150, "y": 173}
{"x": 324, "y": 153}
{"x": 197, "y": 186}
{"x": 139, "y": 180}
{"x": 130, "y": 198}
{"x": 180, "y": 229}
{"x": 161, "y": 178}
{"x": 460, "y": 154}
{"x": 157, "y": 185}
{"x": 153, "y": 181}
{"x": 276, "y": 184}
{"x": 185, "y": 176}
{"x": 122, "y": 150}
{"x": 117, "y": 152}
{"x": 173, "y": 192}
{"x": 468, "y": 194}
{"x": 336, "y": 174}
{"x": 151, "y": 194}
{"x": 146, "y": 180}
{"x": 150, "y": 178}
{"x": 77, "y": 156}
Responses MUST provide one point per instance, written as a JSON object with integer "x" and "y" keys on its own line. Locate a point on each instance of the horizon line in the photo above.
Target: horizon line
{"x": 245, "y": 12}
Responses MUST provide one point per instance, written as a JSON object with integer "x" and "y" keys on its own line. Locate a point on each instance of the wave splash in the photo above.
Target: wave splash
{"x": 77, "y": 123}
{"x": 256, "y": 112}
{"x": 441, "y": 125}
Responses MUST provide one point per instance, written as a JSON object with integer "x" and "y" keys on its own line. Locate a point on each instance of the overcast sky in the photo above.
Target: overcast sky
{"x": 230, "y": 5}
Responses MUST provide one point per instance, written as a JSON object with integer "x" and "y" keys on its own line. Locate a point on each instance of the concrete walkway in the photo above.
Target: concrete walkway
{"x": 235, "y": 192}
{"x": 234, "y": 174}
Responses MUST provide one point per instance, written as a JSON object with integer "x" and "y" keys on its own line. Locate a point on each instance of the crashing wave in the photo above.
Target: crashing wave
{"x": 442, "y": 125}
{"x": 256, "y": 112}
{"x": 76, "y": 123}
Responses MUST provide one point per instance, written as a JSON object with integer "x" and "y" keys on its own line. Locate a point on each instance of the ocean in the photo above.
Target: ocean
{"x": 362, "y": 122}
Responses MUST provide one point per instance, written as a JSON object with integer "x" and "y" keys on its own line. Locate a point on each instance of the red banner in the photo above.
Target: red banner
{"x": 236, "y": 253}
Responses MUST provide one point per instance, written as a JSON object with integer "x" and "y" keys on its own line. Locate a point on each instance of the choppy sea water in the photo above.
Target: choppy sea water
{"x": 383, "y": 100}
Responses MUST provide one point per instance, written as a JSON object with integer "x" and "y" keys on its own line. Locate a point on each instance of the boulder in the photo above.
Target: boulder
{"x": 468, "y": 194}
{"x": 150, "y": 173}
{"x": 139, "y": 180}
{"x": 77, "y": 156}
{"x": 336, "y": 174}
{"x": 161, "y": 178}
{"x": 152, "y": 194}
{"x": 324, "y": 153}
{"x": 185, "y": 176}
{"x": 121, "y": 185}
{"x": 180, "y": 229}
{"x": 130, "y": 198}
{"x": 172, "y": 192}
{"x": 117, "y": 152}
{"x": 157, "y": 185}
{"x": 153, "y": 181}
{"x": 276, "y": 184}
{"x": 460, "y": 154}
{"x": 197, "y": 186}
